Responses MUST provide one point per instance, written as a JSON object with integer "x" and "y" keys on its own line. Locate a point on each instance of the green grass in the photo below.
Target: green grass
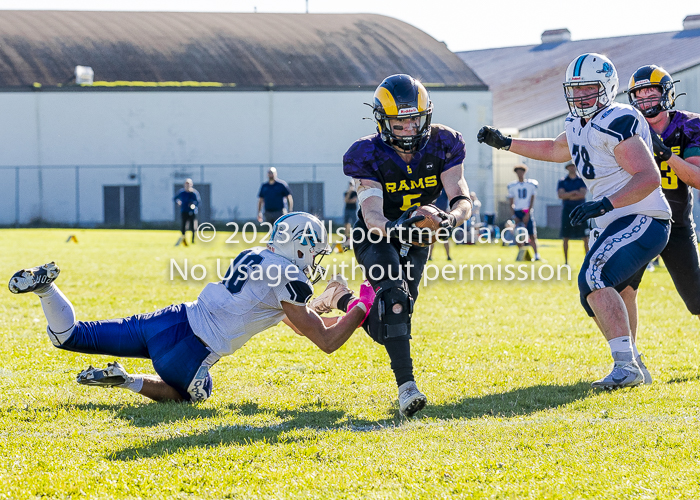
{"x": 506, "y": 366}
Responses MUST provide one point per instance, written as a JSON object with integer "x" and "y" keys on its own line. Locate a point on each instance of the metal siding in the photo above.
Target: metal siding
{"x": 249, "y": 50}
{"x": 527, "y": 81}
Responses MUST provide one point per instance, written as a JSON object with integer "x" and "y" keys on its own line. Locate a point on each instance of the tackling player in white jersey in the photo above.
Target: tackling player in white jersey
{"x": 262, "y": 287}
{"x": 610, "y": 144}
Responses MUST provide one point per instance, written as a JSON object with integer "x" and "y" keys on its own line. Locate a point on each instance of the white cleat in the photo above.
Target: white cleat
{"x": 113, "y": 375}
{"x": 411, "y": 400}
{"x": 36, "y": 278}
{"x": 623, "y": 374}
{"x": 328, "y": 300}
{"x": 647, "y": 376}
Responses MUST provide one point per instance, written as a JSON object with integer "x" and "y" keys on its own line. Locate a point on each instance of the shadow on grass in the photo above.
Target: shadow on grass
{"x": 517, "y": 402}
{"x": 309, "y": 417}
{"x": 683, "y": 380}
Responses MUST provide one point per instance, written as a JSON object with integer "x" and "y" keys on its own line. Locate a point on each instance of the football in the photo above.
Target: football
{"x": 432, "y": 218}
{"x": 426, "y": 233}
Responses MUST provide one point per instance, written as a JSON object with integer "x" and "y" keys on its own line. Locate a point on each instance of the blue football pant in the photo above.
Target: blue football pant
{"x": 165, "y": 337}
{"x": 627, "y": 245}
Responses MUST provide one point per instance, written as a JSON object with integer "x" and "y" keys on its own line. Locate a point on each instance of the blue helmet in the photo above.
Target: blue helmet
{"x": 402, "y": 97}
{"x": 652, "y": 76}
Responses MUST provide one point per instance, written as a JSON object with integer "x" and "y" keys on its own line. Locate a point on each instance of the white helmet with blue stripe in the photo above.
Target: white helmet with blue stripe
{"x": 590, "y": 69}
{"x": 301, "y": 238}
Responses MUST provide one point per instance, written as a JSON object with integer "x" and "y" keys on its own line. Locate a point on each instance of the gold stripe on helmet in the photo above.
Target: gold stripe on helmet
{"x": 387, "y": 101}
{"x": 657, "y": 75}
{"x": 423, "y": 99}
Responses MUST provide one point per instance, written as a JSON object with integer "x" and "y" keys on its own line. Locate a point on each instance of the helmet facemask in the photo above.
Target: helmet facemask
{"x": 404, "y": 143}
{"x": 666, "y": 100}
{"x": 315, "y": 272}
{"x": 601, "y": 99}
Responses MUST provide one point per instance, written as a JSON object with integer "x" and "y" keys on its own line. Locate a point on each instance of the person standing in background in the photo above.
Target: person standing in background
{"x": 188, "y": 199}
{"x": 521, "y": 196}
{"x": 272, "y": 195}
{"x": 572, "y": 190}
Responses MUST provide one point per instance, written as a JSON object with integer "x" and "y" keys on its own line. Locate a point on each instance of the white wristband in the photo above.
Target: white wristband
{"x": 367, "y": 193}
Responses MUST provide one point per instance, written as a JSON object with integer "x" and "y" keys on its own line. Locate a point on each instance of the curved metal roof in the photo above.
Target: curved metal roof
{"x": 527, "y": 81}
{"x": 328, "y": 51}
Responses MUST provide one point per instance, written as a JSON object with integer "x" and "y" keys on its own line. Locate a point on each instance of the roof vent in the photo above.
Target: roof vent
{"x": 84, "y": 75}
{"x": 691, "y": 22}
{"x": 556, "y": 36}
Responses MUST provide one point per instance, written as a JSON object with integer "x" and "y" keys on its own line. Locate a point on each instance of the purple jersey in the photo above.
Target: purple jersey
{"x": 683, "y": 137}
{"x": 405, "y": 185}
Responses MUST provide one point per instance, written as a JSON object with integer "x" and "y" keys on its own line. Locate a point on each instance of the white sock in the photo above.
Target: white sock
{"x": 134, "y": 384}
{"x": 634, "y": 350}
{"x": 621, "y": 348}
{"x": 59, "y": 312}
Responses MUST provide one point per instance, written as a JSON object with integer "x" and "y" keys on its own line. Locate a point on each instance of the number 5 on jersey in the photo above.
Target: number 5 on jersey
{"x": 408, "y": 201}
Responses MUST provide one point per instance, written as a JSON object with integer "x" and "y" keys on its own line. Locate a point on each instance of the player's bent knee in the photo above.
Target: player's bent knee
{"x": 59, "y": 339}
{"x": 201, "y": 386}
{"x": 390, "y": 316}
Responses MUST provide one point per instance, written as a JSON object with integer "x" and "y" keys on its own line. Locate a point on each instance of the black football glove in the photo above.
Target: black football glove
{"x": 405, "y": 221}
{"x": 661, "y": 150}
{"x": 494, "y": 138}
{"x": 588, "y": 210}
{"x": 447, "y": 226}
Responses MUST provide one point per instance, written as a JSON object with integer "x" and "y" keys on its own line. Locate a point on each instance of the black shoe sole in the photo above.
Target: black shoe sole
{"x": 415, "y": 407}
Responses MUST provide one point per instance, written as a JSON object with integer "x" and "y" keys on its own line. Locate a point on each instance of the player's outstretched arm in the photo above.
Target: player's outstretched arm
{"x": 556, "y": 150}
{"x": 633, "y": 155}
{"x": 306, "y": 322}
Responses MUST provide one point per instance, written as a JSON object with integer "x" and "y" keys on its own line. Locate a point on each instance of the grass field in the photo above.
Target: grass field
{"x": 506, "y": 366}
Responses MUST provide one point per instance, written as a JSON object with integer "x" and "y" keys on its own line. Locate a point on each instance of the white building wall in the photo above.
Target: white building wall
{"x": 65, "y": 146}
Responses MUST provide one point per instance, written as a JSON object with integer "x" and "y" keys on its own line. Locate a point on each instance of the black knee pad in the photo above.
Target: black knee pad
{"x": 384, "y": 321}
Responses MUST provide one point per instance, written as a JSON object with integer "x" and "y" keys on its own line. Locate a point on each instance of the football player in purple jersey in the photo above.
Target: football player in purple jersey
{"x": 402, "y": 166}
{"x": 676, "y": 139}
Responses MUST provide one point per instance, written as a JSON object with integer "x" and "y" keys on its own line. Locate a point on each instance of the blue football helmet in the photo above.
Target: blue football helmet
{"x": 652, "y": 76}
{"x": 401, "y": 97}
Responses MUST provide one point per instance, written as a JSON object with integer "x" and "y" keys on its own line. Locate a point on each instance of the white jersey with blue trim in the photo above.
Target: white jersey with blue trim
{"x": 249, "y": 300}
{"x": 592, "y": 147}
{"x": 521, "y": 193}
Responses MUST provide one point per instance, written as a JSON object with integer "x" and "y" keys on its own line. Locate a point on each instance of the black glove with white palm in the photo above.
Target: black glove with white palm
{"x": 589, "y": 210}
{"x": 395, "y": 227}
{"x": 449, "y": 222}
{"x": 494, "y": 138}
{"x": 661, "y": 150}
